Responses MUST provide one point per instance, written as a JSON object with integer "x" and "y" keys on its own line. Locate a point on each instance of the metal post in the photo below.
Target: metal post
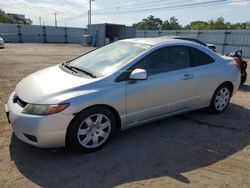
{"x": 226, "y": 33}
{"x": 19, "y": 33}
{"x": 198, "y": 34}
{"x": 55, "y": 20}
{"x": 65, "y": 35}
{"x": 89, "y": 12}
{"x": 40, "y": 20}
{"x": 44, "y": 34}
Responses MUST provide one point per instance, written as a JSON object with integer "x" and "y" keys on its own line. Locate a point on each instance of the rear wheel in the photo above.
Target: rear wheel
{"x": 220, "y": 99}
{"x": 91, "y": 129}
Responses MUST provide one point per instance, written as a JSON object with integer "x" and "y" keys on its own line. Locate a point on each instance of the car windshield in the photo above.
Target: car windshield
{"x": 109, "y": 58}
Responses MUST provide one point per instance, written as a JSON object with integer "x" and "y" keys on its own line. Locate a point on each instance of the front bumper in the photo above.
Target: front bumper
{"x": 49, "y": 131}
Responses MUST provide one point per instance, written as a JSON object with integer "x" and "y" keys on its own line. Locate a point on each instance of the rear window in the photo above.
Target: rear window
{"x": 199, "y": 58}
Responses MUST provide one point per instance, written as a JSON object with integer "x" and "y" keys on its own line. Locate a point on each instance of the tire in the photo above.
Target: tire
{"x": 243, "y": 77}
{"x": 220, "y": 99}
{"x": 91, "y": 129}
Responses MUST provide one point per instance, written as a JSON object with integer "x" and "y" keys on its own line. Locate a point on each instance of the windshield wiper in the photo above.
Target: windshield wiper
{"x": 84, "y": 71}
{"x": 69, "y": 67}
{"x": 76, "y": 69}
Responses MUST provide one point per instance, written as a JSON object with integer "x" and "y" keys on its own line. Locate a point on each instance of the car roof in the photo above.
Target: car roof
{"x": 165, "y": 40}
{"x": 156, "y": 41}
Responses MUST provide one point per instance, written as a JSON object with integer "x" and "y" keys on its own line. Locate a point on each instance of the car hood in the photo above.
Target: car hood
{"x": 48, "y": 83}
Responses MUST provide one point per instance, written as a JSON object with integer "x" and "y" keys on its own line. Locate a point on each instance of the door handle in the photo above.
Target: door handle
{"x": 187, "y": 76}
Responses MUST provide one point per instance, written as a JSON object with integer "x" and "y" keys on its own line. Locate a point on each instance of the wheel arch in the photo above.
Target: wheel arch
{"x": 230, "y": 84}
{"x": 211, "y": 107}
{"x": 112, "y": 109}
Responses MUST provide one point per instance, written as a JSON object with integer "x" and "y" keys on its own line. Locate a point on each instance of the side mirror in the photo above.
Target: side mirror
{"x": 138, "y": 74}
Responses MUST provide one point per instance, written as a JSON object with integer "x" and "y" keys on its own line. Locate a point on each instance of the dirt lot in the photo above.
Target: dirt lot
{"x": 195, "y": 149}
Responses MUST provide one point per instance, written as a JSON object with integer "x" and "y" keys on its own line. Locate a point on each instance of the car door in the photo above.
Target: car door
{"x": 168, "y": 89}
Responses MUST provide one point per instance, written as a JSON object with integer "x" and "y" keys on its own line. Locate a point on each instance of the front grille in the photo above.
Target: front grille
{"x": 19, "y": 101}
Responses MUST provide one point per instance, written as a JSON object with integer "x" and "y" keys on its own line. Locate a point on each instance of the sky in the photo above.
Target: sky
{"x": 74, "y": 13}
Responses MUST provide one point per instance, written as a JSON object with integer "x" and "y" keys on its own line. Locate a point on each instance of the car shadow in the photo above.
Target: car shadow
{"x": 245, "y": 88}
{"x": 166, "y": 148}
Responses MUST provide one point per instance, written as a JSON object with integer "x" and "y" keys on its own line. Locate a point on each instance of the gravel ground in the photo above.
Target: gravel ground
{"x": 195, "y": 149}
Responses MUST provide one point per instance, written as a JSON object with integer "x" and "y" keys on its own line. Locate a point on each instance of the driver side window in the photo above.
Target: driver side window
{"x": 165, "y": 60}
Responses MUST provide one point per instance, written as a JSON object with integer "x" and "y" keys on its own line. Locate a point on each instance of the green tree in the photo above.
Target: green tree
{"x": 4, "y": 18}
{"x": 149, "y": 23}
{"x": 152, "y": 23}
{"x": 245, "y": 25}
{"x": 172, "y": 24}
{"x": 219, "y": 23}
{"x": 197, "y": 25}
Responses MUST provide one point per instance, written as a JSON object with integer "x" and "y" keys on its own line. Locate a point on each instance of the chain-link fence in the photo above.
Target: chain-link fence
{"x": 35, "y": 33}
{"x": 225, "y": 40}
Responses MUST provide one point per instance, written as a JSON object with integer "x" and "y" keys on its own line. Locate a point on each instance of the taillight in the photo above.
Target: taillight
{"x": 237, "y": 63}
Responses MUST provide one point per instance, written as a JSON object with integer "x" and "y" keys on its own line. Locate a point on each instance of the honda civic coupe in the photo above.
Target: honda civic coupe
{"x": 83, "y": 102}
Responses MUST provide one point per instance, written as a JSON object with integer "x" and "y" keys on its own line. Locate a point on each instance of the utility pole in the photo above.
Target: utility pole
{"x": 40, "y": 20}
{"x": 55, "y": 20}
{"x": 89, "y": 21}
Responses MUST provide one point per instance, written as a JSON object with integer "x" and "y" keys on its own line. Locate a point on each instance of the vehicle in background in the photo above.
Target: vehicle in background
{"x": 210, "y": 46}
{"x": 83, "y": 102}
{"x": 1, "y": 43}
{"x": 242, "y": 64}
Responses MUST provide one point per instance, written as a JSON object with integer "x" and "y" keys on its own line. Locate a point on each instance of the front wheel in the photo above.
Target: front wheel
{"x": 91, "y": 129}
{"x": 220, "y": 99}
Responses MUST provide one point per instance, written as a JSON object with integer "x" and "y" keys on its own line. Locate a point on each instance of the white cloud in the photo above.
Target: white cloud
{"x": 239, "y": 2}
{"x": 224, "y": 10}
{"x": 71, "y": 11}
{"x": 74, "y": 12}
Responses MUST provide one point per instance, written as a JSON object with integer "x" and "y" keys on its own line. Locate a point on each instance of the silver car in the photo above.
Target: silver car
{"x": 83, "y": 102}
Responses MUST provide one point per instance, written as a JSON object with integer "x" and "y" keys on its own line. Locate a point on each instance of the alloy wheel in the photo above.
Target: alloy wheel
{"x": 222, "y": 99}
{"x": 94, "y": 130}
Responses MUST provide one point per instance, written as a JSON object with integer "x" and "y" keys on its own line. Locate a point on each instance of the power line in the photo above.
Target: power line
{"x": 152, "y": 3}
{"x": 141, "y": 5}
{"x": 158, "y": 8}
{"x": 167, "y": 7}
{"x": 84, "y": 14}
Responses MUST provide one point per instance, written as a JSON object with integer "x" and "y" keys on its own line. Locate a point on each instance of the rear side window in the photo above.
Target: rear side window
{"x": 199, "y": 58}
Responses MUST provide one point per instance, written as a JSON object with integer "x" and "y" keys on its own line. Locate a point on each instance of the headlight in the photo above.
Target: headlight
{"x": 43, "y": 109}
